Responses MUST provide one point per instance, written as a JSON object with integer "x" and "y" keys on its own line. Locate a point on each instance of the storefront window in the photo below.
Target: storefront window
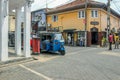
{"x": 81, "y": 34}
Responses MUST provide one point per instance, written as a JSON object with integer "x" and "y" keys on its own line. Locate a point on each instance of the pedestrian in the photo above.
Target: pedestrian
{"x": 72, "y": 41}
{"x": 102, "y": 41}
{"x": 69, "y": 40}
{"x": 110, "y": 37}
{"x": 81, "y": 41}
{"x": 116, "y": 38}
{"x": 105, "y": 42}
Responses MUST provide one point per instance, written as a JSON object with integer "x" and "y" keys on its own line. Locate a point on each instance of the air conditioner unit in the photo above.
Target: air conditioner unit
{"x": 48, "y": 25}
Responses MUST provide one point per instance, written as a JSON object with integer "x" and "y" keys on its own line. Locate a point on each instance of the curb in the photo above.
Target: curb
{"x": 16, "y": 61}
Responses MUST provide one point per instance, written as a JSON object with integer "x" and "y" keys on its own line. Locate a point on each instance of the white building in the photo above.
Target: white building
{"x": 6, "y": 9}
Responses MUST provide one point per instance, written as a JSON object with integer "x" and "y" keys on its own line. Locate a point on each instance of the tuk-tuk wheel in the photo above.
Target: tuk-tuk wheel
{"x": 62, "y": 52}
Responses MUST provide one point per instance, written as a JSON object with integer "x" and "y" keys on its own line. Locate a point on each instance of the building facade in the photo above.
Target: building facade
{"x": 6, "y": 9}
{"x": 71, "y": 18}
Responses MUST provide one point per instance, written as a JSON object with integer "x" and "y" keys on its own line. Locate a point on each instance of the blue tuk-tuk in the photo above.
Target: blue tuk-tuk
{"x": 52, "y": 42}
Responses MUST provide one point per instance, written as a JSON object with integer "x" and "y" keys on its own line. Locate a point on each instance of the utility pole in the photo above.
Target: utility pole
{"x": 108, "y": 19}
{"x": 46, "y": 4}
{"x": 86, "y": 4}
{"x": 46, "y": 25}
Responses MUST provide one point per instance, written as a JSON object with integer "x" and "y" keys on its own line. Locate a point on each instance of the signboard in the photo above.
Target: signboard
{"x": 84, "y": 21}
{"x": 39, "y": 17}
{"x": 42, "y": 29}
{"x": 55, "y": 29}
{"x": 94, "y": 23}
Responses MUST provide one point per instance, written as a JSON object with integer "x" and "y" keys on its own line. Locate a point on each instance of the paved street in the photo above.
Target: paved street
{"x": 92, "y": 63}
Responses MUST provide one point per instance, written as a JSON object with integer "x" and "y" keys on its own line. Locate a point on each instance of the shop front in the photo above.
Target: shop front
{"x": 69, "y": 37}
{"x": 94, "y": 36}
{"x": 72, "y": 37}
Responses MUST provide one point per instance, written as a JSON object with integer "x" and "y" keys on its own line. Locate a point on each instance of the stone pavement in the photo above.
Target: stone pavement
{"x": 78, "y": 64}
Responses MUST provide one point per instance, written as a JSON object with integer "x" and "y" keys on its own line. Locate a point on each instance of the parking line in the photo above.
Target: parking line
{"x": 37, "y": 73}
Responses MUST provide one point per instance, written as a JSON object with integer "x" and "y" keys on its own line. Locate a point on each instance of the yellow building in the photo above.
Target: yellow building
{"x": 11, "y": 23}
{"x": 70, "y": 18}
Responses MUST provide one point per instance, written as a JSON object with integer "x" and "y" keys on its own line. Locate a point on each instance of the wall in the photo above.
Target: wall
{"x": 11, "y": 23}
{"x": 69, "y": 20}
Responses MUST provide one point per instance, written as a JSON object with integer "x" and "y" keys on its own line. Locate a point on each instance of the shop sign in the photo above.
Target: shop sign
{"x": 42, "y": 28}
{"x": 94, "y": 23}
{"x": 56, "y": 29}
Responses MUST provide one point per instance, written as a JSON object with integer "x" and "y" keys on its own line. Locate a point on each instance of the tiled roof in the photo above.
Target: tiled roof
{"x": 72, "y": 4}
{"x": 76, "y": 2}
{"x": 79, "y": 4}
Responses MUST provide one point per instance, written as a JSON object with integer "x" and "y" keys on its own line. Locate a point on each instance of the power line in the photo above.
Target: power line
{"x": 117, "y": 7}
{"x": 116, "y": 1}
{"x": 47, "y": 2}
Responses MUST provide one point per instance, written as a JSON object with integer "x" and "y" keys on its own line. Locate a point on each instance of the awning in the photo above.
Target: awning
{"x": 69, "y": 30}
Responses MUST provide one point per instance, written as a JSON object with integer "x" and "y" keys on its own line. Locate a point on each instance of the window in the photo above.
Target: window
{"x": 54, "y": 18}
{"x": 94, "y": 13}
{"x": 81, "y": 14}
{"x": 81, "y": 34}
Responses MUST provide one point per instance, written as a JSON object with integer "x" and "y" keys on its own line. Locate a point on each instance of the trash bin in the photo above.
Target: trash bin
{"x": 36, "y": 45}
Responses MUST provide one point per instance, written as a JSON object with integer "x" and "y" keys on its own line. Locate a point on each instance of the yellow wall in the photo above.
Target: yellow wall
{"x": 89, "y": 19}
{"x": 70, "y": 20}
{"x": 11, "y": 23}
{"x": 113, "y": 19}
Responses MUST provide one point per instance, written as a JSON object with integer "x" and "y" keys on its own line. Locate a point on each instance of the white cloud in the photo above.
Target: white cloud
{"x": 38, "y": 4}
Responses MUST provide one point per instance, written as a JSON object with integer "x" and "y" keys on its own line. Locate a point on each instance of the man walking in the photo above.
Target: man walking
{"x": 81, "y": 41}
{"x": 110, "y": 37}
{"x": 69, "y": 40}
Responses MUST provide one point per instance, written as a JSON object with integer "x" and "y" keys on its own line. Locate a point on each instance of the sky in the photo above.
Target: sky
{"x": 39, "y": 4}
{"x": 51, "y": 3}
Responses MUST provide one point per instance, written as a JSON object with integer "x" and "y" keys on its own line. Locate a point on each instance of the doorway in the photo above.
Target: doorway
{"x": 94, "y": 36}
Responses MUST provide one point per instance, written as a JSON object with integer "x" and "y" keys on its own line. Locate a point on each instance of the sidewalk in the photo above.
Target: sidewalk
{"x": 14, "y": 59}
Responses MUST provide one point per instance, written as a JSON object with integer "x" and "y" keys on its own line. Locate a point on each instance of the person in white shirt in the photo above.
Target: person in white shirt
{"x": 69, "y": 39}
{"x": 81, "y": 41}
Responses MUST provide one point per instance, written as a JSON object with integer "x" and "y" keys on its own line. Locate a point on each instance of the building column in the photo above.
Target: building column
{"x": 18, "y": 31}
{"x": 4, "y": 30}
{"x": 27, "y": 26}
